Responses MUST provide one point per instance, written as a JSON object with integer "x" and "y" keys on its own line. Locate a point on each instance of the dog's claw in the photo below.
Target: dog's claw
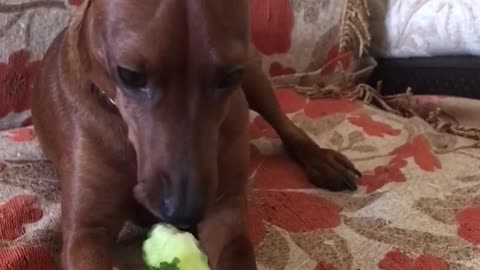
{"x": 350, "y": 180}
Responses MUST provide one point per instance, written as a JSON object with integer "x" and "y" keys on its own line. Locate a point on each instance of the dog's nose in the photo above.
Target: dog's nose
{"x": 180, "y": 213}
{"x": 178, "y": 216}
{"x": 176, "y": 198}
{"x": 182, "y": 203}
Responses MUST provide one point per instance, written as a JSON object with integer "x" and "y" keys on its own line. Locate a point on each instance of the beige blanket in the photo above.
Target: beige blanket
{"x": 417, "y": 208}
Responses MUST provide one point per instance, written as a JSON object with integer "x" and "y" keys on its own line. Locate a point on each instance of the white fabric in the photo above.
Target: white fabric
{"x": 406, "y": 28}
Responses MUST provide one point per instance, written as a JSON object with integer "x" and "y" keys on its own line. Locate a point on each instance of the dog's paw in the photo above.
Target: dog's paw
{"x": 325, "y": 168}
{"x": 331, "y": 170}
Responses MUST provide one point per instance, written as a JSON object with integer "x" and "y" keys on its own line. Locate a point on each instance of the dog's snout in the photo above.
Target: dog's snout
{"x": 182, "y": 203}
{"x": 179, "y": 201}
{"x": 179, "y": 215}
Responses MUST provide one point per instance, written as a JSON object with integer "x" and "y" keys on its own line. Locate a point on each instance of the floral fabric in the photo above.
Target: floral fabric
{"x": 417, "y": 206}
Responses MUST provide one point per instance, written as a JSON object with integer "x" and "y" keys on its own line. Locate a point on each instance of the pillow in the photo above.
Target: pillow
{"x": 414, "y": 28}
{"x": 299, "y": 37}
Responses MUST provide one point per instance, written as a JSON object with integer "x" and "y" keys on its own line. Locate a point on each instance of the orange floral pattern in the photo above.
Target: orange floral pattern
{"x": 372, "y": 127}
{"x": 280, "y": 172}
{"x": 383, "y": 175}
{"x": 469, "y": 225}
{"x": 421, "y": 151}
{"x": 293, "y": 211}
{"x": 26, "y": 258}
{"x": 15, "y": 213}
{"x": 271, "y": 25}
{"x": 289, "y": 101}
{"x": 22, "y": 135}
{"x": 75, "y": 2}
{"x": 16, "y": 79}
{"x": 395, "y": 260}
{"x": 323, "y": 107}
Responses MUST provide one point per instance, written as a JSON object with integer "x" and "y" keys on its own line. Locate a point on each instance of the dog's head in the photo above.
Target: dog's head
{"x": 171, "y": 67}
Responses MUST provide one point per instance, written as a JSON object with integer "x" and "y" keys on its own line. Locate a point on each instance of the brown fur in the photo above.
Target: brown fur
{"x": 177, "y": 152}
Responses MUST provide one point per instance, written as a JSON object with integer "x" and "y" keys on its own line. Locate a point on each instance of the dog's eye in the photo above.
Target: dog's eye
{"x": 132, "y": 79}
{"x": 231, "y": 79}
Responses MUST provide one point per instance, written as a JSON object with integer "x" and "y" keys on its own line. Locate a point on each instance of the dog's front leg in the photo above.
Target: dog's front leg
{"x": 223, "y": 235}
{"x": 326, "y": 168}
{"x": 223, "y": 232}
{"x": 87, "y": 248}
{"x": 96, "y": 201}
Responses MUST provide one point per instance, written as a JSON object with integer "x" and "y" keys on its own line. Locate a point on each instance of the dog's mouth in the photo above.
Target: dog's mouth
{"x": 142, "y": 198}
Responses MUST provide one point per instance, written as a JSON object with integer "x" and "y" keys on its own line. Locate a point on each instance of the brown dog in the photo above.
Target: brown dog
{"x": 142, "y": 105}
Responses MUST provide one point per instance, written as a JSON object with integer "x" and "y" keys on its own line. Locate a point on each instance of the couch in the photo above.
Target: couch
{"x": 417, "y": 206}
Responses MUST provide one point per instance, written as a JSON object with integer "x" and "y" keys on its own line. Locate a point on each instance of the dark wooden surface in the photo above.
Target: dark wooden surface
{"x": 453, "y": 75}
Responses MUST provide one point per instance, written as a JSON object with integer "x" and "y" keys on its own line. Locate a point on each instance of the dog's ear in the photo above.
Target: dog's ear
{"x": 78, "y": 15}
{"x": 86, "y": 42}
{"x": 74, "y": 36}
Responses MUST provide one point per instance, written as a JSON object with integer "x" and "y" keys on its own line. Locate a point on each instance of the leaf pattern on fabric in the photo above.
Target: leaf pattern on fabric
{"x": 38, "y": 176}
{"x": 469, "y": 178}
{"x": 460, "y": 266}
{"x": 364, "y": 148}
{"x": 274, "y": 250}
{"x": 351, "y": 203}
{"x": 337, "y": 139}
{"x": 326, "y": 247}
{"x": 355, "y": 137}
{"x": 444, "y": 210}
{"x": 446, "y": 247}
{"x": 317, "y": 126}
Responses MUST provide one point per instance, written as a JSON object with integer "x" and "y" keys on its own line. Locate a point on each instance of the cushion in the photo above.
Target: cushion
{"x": 409, "y": 28}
